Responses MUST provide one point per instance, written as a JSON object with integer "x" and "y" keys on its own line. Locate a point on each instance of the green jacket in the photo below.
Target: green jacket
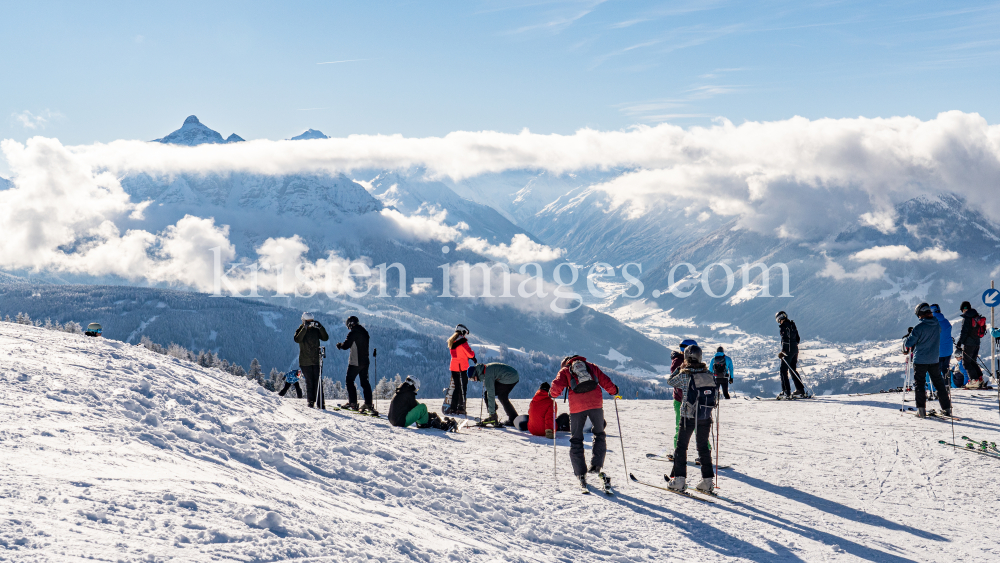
{"x": 308, "y": 339}
{"x": 490, "y": 375}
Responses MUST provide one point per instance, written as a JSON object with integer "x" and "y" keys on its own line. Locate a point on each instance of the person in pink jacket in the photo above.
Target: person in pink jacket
{"x": 584, "y": 381}
{"x": 461, "y": 355}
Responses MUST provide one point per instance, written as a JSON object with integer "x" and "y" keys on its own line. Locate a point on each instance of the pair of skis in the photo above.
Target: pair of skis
{"x": 973, "y": 448}
{"x": 684, "y": 493}
{"x": 670, "y": 459}
{"x": 605, "y": 485}
{"x": 939, "y": 415}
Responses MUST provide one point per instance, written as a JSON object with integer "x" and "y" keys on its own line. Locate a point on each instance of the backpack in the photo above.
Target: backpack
{"x": 719, "y": 367}
{"x": 701, "y": 397}
{"x": 979, "y": 324}
{"x": 580, "y": 378}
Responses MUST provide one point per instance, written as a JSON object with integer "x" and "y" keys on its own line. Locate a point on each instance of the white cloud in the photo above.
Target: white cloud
{"x": 903, "y": 253}
{"x": 33, "y": 121}
{"x": 839, "y": 273}
{"x": 426, "y": 225}
{"x": 521, "y": 250}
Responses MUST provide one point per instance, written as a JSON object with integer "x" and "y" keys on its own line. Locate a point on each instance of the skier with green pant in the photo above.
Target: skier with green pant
{"x": 676, "y": 359}
{"x": 498, "y": 381}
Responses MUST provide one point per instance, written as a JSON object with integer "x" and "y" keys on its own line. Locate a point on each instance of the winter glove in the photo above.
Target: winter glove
{"x": 781, "y": 355}
{"x": 616, "y": 393}
{"x": 340, "y": 346}
{"x": 474, "y": 360}
{"x": 730, "y": 380}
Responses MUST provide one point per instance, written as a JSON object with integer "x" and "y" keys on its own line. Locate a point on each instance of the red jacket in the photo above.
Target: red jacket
{"x": 579, "y": 402}
{"x": 540, "y": 413}
{"x": 676, "y": 359}
{"x": 460, "y": 354}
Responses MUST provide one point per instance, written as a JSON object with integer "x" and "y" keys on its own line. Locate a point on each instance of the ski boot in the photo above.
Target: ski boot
{"x": 782, "y": 396}
{"x": 677, "y": 484}
{"x": 491, "y": 421}
{"x": 946, "y": 412}
{"x": 368, "y": 409}
{"x": 921, "y": 412}
{"x": 583, "y": 484}
{"x": 706, "y": 485}
{"x": 799, "y": 395}
{"x": 605, "y": 483}
{"x": 549, "y": 435}
{"x": 349, "y": 406}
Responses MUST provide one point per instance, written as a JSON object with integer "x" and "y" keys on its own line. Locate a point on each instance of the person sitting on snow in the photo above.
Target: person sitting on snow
{"x": 498, "y": 381}
{"x": 404, "y": 410}
{"x": 542, "y": 412}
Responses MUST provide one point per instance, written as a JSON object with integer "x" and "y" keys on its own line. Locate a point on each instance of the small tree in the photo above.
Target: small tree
{"x": 238, "y": 371}
{"x": 256, "y": 373}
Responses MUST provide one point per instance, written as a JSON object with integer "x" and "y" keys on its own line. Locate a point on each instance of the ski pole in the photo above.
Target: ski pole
{"x": 375, "y": 367}
{"x": 555, "y": 475}
{"x": 718, "y": 428}
{"x": 906, "y": 378}
{"x": 797, "y": 376}
{"x": 618, "y": 418}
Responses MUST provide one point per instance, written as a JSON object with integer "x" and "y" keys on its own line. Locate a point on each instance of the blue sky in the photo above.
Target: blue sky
{"x": 99, "y": 71}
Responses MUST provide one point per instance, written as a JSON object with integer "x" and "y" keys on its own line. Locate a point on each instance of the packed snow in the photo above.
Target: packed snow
{"x": 111, "y": 452}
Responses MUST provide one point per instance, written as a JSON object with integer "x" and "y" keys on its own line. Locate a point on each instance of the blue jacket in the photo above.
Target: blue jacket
{"x": 729, "y": 363}
{"x": 925, "y": 341}
{"x": 292, "y": 376}
{"x": 946, "y": 345}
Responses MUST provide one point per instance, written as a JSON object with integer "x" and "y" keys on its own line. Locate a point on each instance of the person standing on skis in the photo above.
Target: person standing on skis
{"x": 967, "y": 346}
{"x": 676, "y": 359}
{"x": 789, "y": 357}
{"x": 498, "y": 381}
{"x": 461, "y": 355}
{"x": 585, "y": 381}
{"x": 700, "y": 397}
{"x": 944, "y": 358}
{"x": 357, "y": 365}
{"x": 925, "y": 342}
{"x": 722, "y": 369}
{"x": 308, "y": 336}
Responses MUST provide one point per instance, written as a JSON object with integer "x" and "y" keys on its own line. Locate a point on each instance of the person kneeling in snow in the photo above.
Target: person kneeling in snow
{"x": 404, "y": 410}
{"x": 584, "y": 381}
{"x": 291, "y": 378}
{"x": 542, "y": 412}
{"x": 700, "y": 398}
{"x": 498, "y": 381}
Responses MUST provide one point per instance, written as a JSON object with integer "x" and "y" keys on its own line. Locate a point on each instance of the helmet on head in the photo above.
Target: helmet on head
{"x": 351, "y": 321}
{"x": 935, "y": 308}
{"x": 462, "y": 329}
{"x": 692, "y": 354}
{"x": 922, "y": 309}
{"x": 307, "y": 316}
{"x": 687, "y": 342}
{"x": 781, "y": 316}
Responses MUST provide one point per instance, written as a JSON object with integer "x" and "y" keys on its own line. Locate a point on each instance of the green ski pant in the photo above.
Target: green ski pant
{"x": 677, "y": 424}
{"x": 417, "y": 414}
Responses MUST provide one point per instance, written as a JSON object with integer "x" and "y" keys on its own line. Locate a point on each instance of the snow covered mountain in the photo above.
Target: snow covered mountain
{"x": 113, "y": 452}
{"x": 309, "y": 134}
{"x": 193, "y": 133}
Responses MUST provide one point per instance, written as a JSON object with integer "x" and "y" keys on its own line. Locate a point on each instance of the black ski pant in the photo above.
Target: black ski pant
{"x": 460, "y": 379}
{"x": 311, "y": 373}
{"x": 969, "y": 356}
{"x": 791, "y": 360}
{"x": 366, "y": 388}
{"x": 723, "y": 383}
{"x": 502, "y": 393}
{"x": 701, "y": 430}
{"x": 600, "y": 446}
{"x": 287, "y": 385}
{"x": 920, "y": 373}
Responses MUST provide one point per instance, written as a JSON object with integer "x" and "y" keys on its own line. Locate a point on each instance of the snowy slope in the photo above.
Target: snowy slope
{"x": 111, "y": 452}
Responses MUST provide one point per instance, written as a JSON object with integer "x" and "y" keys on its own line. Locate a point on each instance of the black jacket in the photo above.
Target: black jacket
{"x": 789, "y": 338}
{"x": 308, "y": 338}
{"x": 969, "y": 338}
{"x": 357, "y": 343}
{"x": 402, "y": 403}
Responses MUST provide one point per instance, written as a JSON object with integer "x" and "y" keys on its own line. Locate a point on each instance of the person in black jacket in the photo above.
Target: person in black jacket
{"x": 789, "y": 357}
{"x": 404, "y": 410}
{"x": 308, "y": 335}
{"x": 967, "y": 346}
{"x": 357, "y": 365}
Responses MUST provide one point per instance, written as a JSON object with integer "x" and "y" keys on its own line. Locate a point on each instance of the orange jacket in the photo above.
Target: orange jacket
{"x": 541, "y": 414}
{"x": 461, "y": 352}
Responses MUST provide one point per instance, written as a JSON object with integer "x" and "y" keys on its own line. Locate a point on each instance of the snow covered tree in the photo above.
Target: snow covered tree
{"x": 273, "y": 379}
{"x": 71, "y": 327}
{"x": 256, "y": 373}
{"x": 238, "y": 371}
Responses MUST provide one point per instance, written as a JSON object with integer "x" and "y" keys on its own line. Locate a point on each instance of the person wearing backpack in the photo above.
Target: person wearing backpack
{"x": 944, "y": 358}
{"x": 722, "y": 369}
{"x": 291, "y": 378}
{"x": 585, "y": 381}
{"x": 676, "y": 359}
{"x": 700, "y": 397}
{"x": 967, "y": 346}
{"x": 498, "y": 381}
{"x": 789, "y": 357}
{"x": 924, "y": 340}
{"x": 542, "y": 412}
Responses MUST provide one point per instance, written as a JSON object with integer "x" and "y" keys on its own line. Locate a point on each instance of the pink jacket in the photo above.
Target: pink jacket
{"x": 579, "y": 402}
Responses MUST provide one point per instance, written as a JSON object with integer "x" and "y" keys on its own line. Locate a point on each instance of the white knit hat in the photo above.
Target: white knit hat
{"x": 307, "y": 316}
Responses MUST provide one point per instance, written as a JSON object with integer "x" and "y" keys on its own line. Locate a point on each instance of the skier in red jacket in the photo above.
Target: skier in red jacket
{"x": 585, "y": 381}
{"x": 461, "y": 355}
{"x": 542, "y": 412}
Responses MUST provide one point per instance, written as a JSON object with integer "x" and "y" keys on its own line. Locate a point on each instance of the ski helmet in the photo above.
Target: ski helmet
{"x": 462, "y": 329}
{"x": 922, "y": 309}
{"x": 692, "y": 354}
{"x": 935, "y": 308}
{"x": 781, "y": 316}
{"x": 351, "y": 321}
{"x": 687, "y": 342}
{"x": 307, "y": 316}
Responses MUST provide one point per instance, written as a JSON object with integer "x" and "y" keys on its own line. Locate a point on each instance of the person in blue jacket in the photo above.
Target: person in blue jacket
{"x": 944, "y": 359}
{"x": 925, "y": 342}
{"x": 721, "y": 367}
{"x": 291, "y": 378}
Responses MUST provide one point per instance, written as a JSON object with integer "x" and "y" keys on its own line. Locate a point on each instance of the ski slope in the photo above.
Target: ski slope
{"x": 111, "y": 452}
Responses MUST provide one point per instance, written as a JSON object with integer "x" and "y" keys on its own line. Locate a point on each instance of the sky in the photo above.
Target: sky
{"x": 99, "y": 71}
